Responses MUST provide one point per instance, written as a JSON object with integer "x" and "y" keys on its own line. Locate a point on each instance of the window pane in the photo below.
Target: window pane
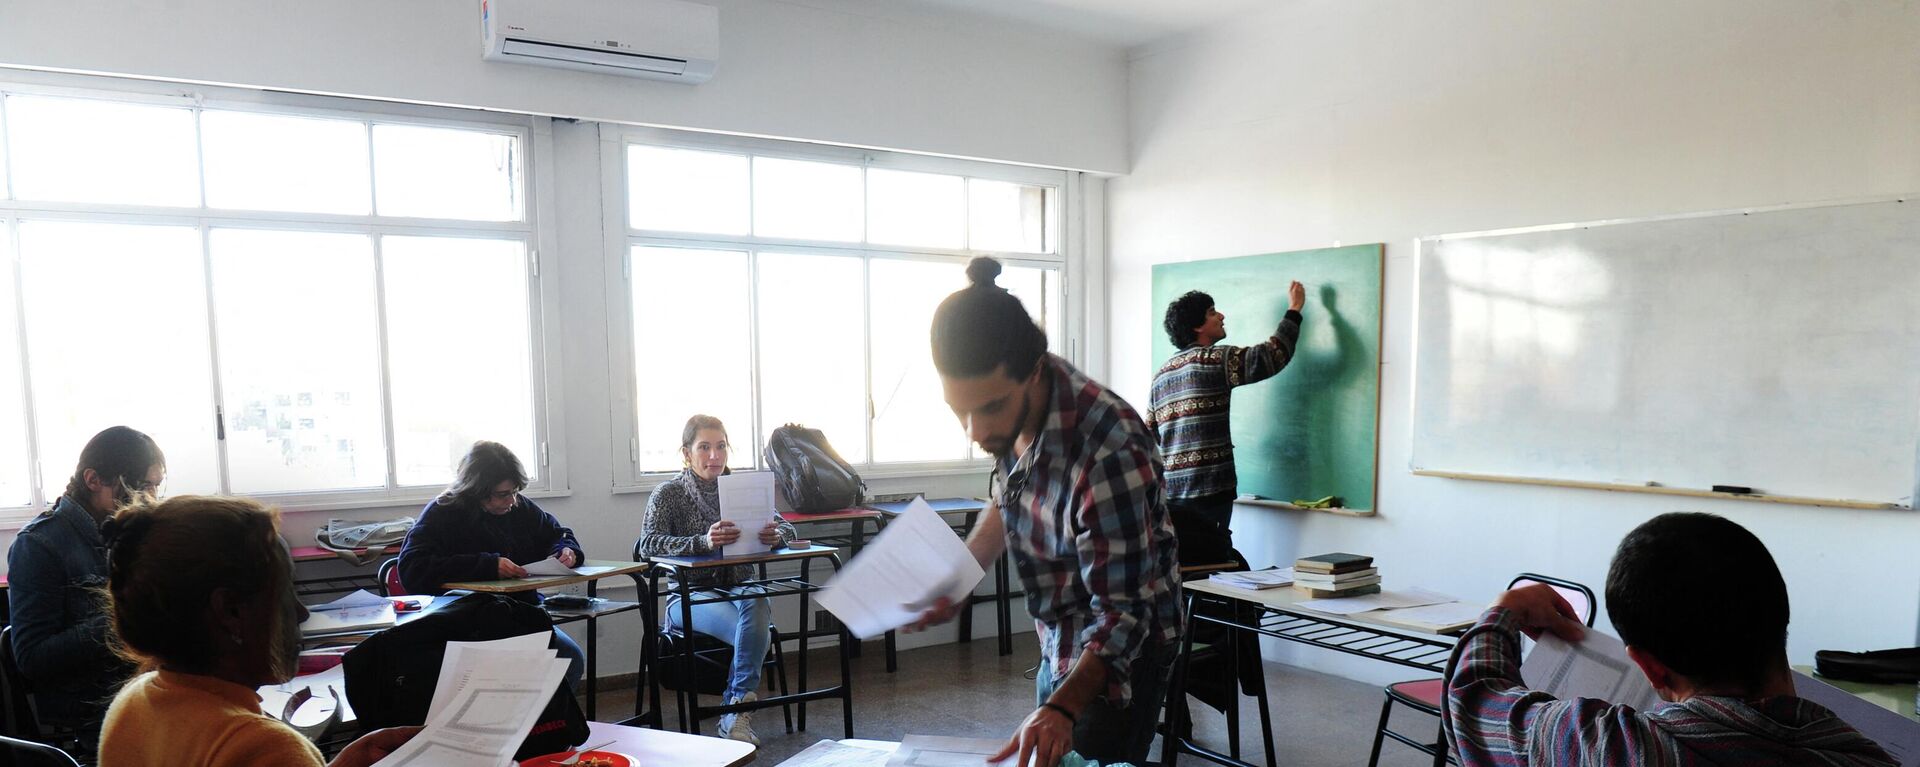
{"x": 446, "y": 173}
{"x": 691, "y": 350}
{"x": 1007, "y": 217}
{"x": 299, "y": 360}
{"x": 251, "y": 158}
{"x": 911, "y": 421}
{"x": 803, "y": 379}
{"x": 681, "y": 190}
{"x": 459, "y": 352}
{"x": 15, "y": 471}
{"x": 927, "y": 209}
{"x": 117, "y": 335}
{"x": 807, "y": 200}
{"x": 82, "y": 150}
{"x": 1039, "y": 291}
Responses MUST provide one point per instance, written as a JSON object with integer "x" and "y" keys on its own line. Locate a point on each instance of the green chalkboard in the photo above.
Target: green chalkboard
{"x": 1312, "y": 430}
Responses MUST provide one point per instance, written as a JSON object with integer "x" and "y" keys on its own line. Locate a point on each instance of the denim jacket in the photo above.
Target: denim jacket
{"x": 56, "y": 573}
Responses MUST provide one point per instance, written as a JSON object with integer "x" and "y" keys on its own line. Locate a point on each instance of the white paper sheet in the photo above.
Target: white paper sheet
{"x": 1897, "y": 734}
{"x": 456, "y": 657}
{"x": 747, "y": 500}
{"x": 900, "y": 573}
{"x": 942, "y": 751}
{"x": 359, "y": 611}
{"x": 827, "y": 753}
{"x": 1597, "y": 668}
{"x": 1385, "y": 600}
{"x": 1272, "y": 577}
{"x": 492, "y": 697}
{"x": 1434, "y": 617}
{"x": 359, "y": 598}
{"x": 549, "y": 566}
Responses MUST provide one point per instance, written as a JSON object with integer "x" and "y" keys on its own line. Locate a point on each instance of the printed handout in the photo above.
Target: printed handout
{"x": 900, "y": 573}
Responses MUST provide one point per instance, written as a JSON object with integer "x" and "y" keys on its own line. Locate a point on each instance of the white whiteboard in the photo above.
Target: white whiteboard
{"x": 1777, "y": 350}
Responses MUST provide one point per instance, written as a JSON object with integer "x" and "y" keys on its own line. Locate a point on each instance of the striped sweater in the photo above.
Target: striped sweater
{"x": 1191, "y": 395}
{"x": 1497, "y": 721}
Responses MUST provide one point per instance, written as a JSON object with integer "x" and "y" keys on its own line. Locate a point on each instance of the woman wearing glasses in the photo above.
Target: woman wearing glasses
{"x": 56, "y": 568}
{"x": 482, "y": 529}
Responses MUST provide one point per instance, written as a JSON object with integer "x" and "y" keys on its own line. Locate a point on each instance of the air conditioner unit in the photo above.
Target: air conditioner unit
{"x": 660, "y": 39}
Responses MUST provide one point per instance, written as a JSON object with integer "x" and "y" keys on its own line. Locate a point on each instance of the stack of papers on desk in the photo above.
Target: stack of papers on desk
{"x": 1385, "y": 600}
{"x": 1442, "y": 618}
{"x": 943, "y": 751}
{"x": 360, "y": 611}
{"x": 488, "y": 698}
{"x": 1272, "y": 577}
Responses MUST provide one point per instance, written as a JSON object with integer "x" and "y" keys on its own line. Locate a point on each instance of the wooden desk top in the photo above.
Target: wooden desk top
{"x": 710, "y": 560}
{"x": 317, "y": 554}
{"x": 612, "y": 567}
{"x": 1285, "y": 598}
{"x": 661, "y": 747}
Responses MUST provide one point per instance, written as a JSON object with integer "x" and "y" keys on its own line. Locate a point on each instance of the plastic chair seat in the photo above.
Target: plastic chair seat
{"x": 1423, "y": 694}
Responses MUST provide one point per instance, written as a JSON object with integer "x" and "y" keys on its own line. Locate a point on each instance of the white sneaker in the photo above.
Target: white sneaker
{"x": 739, "y": 726}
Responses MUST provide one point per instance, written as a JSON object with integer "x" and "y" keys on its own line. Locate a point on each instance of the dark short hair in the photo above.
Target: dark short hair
{"x": 486, "y": 465}
{"x": 1702, "y": 595}
{"x": 1184, "y": 314}
{"x": 982, "y": 327}
{"x": 167, "y": 559}
{"x": 117, "y": 455}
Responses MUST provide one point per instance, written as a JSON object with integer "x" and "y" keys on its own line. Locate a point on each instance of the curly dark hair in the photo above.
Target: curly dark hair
{"x": 1184, "y": 314}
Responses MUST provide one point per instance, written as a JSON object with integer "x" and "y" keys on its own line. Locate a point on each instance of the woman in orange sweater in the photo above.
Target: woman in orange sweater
{"x": 201, "y": 593}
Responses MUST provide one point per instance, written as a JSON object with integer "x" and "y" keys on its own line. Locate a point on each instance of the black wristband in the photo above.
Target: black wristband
{"x": 1071, "y": 719}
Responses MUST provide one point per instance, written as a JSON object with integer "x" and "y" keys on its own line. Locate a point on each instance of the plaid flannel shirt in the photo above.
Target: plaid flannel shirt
{"x": 1089, "y": 532}
{"x": 1497, "y": 721}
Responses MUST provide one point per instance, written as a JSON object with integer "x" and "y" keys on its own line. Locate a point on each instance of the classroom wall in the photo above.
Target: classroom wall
{"x": 1320, "y": 122}
{"x": 858, "y": 72}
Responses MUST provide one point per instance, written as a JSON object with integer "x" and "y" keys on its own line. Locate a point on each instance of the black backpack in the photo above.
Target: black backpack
{"x": 812, "y": 476}
{"x": 391, "y": 675}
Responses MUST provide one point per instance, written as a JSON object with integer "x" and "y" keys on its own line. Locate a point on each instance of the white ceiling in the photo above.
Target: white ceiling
{"x": 1123, "y": 22}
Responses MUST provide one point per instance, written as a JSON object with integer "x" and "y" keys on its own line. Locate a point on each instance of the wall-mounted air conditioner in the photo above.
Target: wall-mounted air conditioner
{"x": 660, "y": 39}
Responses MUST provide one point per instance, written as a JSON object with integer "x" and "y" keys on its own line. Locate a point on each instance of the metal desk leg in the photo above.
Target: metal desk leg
{"x": 1233, "y": 691}
{"x": 1171, "y": 743}
{"x": 689, "y": 699}
{"x": 593, "y": 653}
{"x": 846, "y": 667}
{"x": 804, "y": 631}
{"x": 1003, "y": 607}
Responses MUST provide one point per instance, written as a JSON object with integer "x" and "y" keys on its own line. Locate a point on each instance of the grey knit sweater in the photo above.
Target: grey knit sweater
{"x": 678, "y": 515}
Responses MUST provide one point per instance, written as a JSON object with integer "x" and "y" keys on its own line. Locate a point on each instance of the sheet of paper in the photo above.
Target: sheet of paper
{"x": 457, "y": 659}
{"x": 359, "y": 598}
{"x": 549, "y": 566}
{"x": 900, "y": 573}
{"x": 490, "y": 711}
{"x": 1385, "y": 600}
{"x": 942, "y": 751}
{"x": 746, "y": 500}
{"x": 1272, "y": 577}
{"x": 1897, "y": 734}
{"x": 828, "y": 753}
{"x": 336, "y": 620}
{"x": 1597, "y": 668}
{"x": 1438, "y": 615}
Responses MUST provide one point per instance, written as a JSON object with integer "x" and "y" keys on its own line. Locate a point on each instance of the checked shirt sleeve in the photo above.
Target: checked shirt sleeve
{"x": 1497, "y": 721}
{"x": 1116, "y": 559}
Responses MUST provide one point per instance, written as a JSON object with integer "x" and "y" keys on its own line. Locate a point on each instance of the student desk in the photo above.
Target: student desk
{"x": 691, "y": 712}
{"x": 1277, "y": 615}
{"x": 340, "y": 584}
{"x": 592, "y": 613}
{"x": 857, "y": 519}
{"x": 1900, "y": 698}
{"x": 962, "y": 514}
{"x": 661, "y": 747}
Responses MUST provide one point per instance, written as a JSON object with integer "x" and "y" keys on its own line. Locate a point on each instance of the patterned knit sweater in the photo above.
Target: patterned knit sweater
{"x": 1191, "y": 395}
{"x": 678, "y": 515}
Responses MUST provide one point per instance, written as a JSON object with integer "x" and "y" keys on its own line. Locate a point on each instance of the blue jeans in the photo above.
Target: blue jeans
{"x": 742, "y": 624}
{"x": 1107, "y": 733}
{"x": 576, "y": 660}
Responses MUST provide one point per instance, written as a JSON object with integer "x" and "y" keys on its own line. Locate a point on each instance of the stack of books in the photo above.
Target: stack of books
{"x": 1327, "y": 576}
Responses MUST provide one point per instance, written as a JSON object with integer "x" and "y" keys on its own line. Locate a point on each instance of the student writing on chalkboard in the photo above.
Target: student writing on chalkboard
{"x": 1191, "y": 395}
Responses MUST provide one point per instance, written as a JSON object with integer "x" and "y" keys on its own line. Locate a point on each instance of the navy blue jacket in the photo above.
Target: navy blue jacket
{"x": 56, "y": 578}
{"x": 458, "y": 542}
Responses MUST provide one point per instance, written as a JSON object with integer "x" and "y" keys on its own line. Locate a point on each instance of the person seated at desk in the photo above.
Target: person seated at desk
{"x": 1703, "y": 611}
{"x": 683, "y": 517}
{"x": 481, "y": 528}
{"x": 202, "y": 598}
{"x": 56, "y": 567}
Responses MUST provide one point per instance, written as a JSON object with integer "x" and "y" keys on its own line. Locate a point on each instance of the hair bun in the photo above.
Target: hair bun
{"x": 982, "y": 270}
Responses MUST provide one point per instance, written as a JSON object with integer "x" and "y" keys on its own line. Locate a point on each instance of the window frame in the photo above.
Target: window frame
{"x": 537, "y": 236}
{"x": 1065, "y": 255}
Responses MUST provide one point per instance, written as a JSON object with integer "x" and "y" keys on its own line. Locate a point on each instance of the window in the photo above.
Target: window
{"x": 340, "y": 339}
{"x": 771, "y": 284}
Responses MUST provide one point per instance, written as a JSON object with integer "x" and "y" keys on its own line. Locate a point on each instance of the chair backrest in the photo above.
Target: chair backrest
{"x": 1576, "y": 594}
{"x": 16, "y": 700}
{"x": 26, "y": 753}
{"x": 390, "y": 579}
